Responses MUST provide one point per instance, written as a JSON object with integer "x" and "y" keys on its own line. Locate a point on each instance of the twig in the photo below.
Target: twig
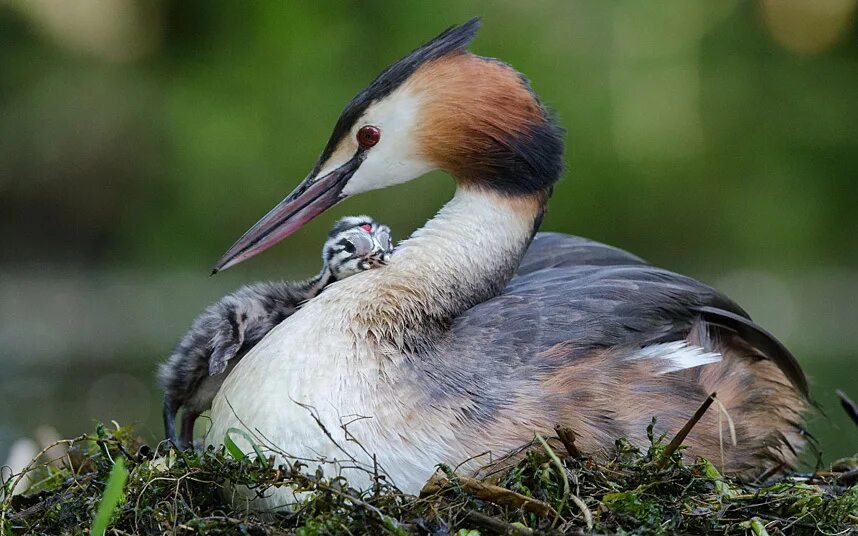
{"x": 730, "y": 424}
{"x": 495, "y": 525}
{"x": 386, "y": 520}
{"x": 249, "y": 523}
{"x": 567, "y": 494}
{"x": 50, "y": 501}
{"x": 683, "y": 433}
{"x": 468, "y": 460}
{"x": 240, "y": 421}
{"x": 314, "y": 415}
{"x": 769, "y": 473}
{"x": 849, "y": 477}
{"x": 344, "y": 426}
{"x": 567, "y": 436}
{"x": 561, "y": 471}
{"x": 29, "y": 467}
{"x": 585, "y": 511}
{"x": 488, "y": 492}
{"x": 504, "y": 462}
{"x": 850, "y": 407}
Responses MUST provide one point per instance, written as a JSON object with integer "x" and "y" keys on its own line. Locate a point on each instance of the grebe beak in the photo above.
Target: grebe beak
{"x": 309, "y": 199}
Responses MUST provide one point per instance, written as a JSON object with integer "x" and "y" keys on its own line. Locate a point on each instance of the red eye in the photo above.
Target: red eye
{"x": 368, "y": 136}
{"x": 366, "y": 227}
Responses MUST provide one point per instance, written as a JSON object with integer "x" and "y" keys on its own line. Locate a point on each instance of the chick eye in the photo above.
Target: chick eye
{"x": 368, "y": 136}
{"x": 366, "y": 227}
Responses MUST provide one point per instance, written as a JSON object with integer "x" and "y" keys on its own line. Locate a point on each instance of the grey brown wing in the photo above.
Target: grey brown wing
{"x": 757, "y": 337}
{"x": 557, "y": 250}
{"x": 590, "y": 305}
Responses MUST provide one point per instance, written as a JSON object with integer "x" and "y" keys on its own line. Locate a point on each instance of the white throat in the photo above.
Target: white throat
{"x": 339, "y": 353}
{"x": 462, "y": 256}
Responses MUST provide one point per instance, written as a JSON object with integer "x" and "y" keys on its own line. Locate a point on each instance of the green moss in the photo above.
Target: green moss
{"x": 626, "y": 491}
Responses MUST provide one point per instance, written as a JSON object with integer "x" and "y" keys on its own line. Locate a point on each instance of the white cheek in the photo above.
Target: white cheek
{"x": 396, "y": 157}
{"x": 382, "y": 170}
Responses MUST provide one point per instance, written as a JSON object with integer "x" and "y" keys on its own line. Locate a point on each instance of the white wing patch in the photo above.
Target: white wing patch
{"x": 678, "y": 355}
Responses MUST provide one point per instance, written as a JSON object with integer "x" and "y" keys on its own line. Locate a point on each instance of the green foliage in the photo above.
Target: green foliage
{"x": 625, "y": 491}
{"x": 236, "y": 452}
{"x": 112, "y": 497}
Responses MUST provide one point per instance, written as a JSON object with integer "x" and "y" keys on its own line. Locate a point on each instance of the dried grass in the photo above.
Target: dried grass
{"x": 547, "y": 492}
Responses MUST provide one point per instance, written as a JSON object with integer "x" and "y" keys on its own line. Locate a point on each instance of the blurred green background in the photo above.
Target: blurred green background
{"x": 138, "y": 139}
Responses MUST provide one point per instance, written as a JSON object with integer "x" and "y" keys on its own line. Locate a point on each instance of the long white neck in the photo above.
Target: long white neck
{"x": 340, "y": 353}
{"x": 466, "y": 254}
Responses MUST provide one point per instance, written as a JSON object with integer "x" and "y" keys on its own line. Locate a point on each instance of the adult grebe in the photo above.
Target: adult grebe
{"x": 467, "y": 340}
{"x": 227, "y": 329}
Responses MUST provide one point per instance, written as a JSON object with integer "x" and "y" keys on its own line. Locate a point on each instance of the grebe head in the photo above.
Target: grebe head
{"x": 356, "y": 244}
{"x": 439, "y": 107}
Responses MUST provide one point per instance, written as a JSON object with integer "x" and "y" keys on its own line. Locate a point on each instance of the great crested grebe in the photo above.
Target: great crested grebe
{"x": 226, "y": 330}
{"x": 479, "y": 333}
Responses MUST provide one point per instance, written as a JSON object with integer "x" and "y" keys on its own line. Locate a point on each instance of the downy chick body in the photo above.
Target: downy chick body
{"x": 225, "y": 331}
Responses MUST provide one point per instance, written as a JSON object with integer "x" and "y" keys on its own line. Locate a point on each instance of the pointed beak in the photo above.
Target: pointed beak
{"x": 312, "y": 197}
{"x": 380, "y": 256}
{"x": 377, "y": 262}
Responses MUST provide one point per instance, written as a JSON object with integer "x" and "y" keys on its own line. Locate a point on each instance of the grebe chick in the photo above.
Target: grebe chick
{"x": 227, "y": 329}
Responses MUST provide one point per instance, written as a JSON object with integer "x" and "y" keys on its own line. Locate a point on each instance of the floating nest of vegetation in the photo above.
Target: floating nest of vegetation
{"x": 111, "y": 483}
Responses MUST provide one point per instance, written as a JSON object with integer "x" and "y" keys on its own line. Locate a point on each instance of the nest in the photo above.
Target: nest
{"x": 111, "y": 482}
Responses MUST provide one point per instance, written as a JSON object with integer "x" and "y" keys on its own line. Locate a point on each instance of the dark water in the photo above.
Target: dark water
{"x": 72, "y": 397}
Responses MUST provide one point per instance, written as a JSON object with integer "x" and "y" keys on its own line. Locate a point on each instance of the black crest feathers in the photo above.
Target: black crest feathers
{"x": 450, "y": 41}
